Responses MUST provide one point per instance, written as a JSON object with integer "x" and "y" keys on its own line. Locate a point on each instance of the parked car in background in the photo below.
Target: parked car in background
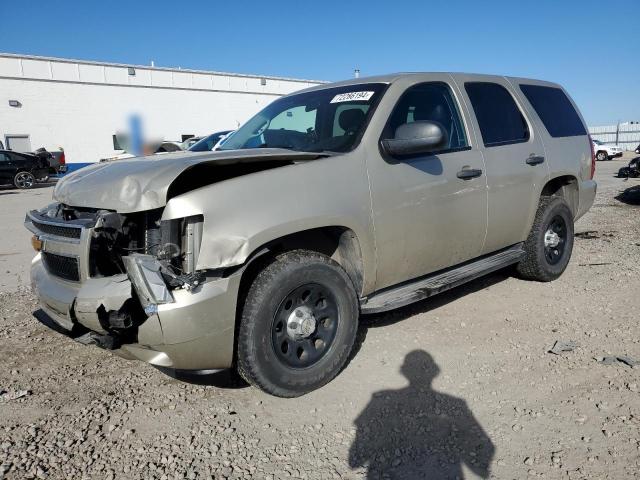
{"x": 59, "y": 162}
{"x": 637, "y": 149}
{"x": 606, "y": 152}
{"x": 262, "y": 255}
{"x": 22, "y": 170}
{"x": 163, "y": 147}
{"x": 209, "y": 142}
{"x": 56, "y": 159}
{"x": 186, "y": 144}
{"x": 169, "y": 146}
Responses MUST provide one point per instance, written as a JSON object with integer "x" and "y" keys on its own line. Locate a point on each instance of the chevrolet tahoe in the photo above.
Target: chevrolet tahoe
{"x": 343, "y": 199}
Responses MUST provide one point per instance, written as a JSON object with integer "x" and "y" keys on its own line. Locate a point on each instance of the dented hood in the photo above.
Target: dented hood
{"x": 141, "y": 183}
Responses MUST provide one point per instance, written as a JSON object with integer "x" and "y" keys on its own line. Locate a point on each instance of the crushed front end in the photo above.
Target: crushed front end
{"x": 128, "y": 283}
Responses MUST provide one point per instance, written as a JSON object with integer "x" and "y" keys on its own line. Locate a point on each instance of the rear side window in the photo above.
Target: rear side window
{"x": 500, "y": 119}
{"x": 555, "y": 110}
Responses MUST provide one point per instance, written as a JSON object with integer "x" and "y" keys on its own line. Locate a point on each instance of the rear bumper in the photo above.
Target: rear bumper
{"x": 194, "y": 332}
{"x": 587, "y": 196}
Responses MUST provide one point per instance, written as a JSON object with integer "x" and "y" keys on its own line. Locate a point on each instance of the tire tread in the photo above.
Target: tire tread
{"x": 533, "y": 267}
{"x": 248, "y": 361}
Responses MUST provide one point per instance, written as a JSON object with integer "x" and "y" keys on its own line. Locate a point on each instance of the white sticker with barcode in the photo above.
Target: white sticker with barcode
{"x": 352, "y": 96}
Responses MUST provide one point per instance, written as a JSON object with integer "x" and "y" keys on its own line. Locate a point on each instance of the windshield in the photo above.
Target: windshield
{"x": 207, "y": 143}
{"x": 331, "y": 119}
{"x": 597, "y": 142}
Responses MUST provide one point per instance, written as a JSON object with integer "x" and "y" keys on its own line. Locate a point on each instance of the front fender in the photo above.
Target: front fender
{"x": 245, "y": 213}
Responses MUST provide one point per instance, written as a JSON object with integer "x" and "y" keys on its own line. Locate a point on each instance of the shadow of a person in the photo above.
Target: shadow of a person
{"x": 416, "y": 432}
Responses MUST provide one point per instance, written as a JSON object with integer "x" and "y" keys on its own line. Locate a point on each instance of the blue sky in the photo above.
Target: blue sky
{"x": 591, "y": 47}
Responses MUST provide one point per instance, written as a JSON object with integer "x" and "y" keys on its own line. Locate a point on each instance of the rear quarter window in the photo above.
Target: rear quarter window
{"x": 555, "y": 110}
{"x": 500, "y": 120}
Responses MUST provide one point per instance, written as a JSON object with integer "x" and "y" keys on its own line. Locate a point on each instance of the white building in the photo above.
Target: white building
{"x": 81, "y": 105}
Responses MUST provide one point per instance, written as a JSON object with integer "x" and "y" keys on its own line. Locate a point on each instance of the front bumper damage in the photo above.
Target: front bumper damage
{"x": 193, "y": 332}
{"x": 136, "y": 314}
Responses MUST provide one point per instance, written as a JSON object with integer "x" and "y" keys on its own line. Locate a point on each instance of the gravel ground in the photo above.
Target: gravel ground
{"x": 461, "y": 385}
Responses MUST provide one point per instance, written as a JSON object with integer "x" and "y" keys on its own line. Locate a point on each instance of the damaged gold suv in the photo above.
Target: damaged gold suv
{"x": 349, "y": 198}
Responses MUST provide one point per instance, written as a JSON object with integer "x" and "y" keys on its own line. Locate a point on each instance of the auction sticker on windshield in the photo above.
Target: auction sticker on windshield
{"x": 351, "y": 96}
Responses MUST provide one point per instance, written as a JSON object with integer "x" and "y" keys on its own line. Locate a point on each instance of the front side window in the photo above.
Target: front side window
{"x": 555, "y": 110}
{"x": 501, "y": 121}
{"x": 330, "y": 119}
{"x": 433, "y": 102}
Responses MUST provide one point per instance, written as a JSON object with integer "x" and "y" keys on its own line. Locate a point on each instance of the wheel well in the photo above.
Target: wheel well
{"x": 565, "y": 186}
{"x": 339, "y": 243}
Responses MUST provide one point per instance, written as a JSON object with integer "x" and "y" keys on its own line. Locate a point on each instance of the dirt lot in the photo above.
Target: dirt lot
{"x": 458, "y": 386}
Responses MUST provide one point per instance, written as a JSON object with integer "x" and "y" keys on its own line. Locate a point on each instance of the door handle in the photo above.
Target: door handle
{"x": 535, "y": 159}
{"x": 469, "y": 173}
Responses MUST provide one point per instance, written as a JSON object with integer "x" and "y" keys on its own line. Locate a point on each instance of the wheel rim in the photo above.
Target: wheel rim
{"x": 304, "y": 326}
{"x": 601, "y": 156}
{"x": 24, "y": 180}
{"x": 555, "y": 240}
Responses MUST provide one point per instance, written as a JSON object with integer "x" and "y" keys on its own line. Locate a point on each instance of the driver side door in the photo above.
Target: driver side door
{"x": 428, "y": 213}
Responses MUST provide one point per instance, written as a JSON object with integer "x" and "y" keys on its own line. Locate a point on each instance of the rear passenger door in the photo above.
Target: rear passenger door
{"x": 514, "y": 157}
{"x": 563, "y": 132}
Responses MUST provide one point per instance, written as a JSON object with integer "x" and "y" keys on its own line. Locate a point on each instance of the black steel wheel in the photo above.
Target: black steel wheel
{"x": 305, "y": 325}
{"x": 298, "y": 325}
{"x": 550, "y": 242}
{"x": 555, "y": 239}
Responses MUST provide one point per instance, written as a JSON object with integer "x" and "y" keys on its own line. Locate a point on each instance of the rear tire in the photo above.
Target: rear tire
{"x": 24, "y": 180}
{"x": 550, "y": 243}
{"x": 298, "y": 324}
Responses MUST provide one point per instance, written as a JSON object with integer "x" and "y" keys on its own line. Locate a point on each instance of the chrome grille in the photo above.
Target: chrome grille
{"x": 61, "y": 266}
{"x": 58, "y": 230}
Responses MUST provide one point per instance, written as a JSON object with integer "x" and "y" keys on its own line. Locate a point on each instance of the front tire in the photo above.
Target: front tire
{"x": 550, "y": 243}
{"x": 24, "y": 180}
{"x": 601, "y": 156}
{"x": 298, "y": 324}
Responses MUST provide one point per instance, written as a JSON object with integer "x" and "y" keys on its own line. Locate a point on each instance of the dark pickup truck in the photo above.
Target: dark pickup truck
{"x": 56, "y": 159}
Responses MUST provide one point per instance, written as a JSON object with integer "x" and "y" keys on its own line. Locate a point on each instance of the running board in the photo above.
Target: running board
{"x": 428, "y": 286}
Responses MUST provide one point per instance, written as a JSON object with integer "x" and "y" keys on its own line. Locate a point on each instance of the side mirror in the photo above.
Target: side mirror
{"x": 416, "y": 137}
